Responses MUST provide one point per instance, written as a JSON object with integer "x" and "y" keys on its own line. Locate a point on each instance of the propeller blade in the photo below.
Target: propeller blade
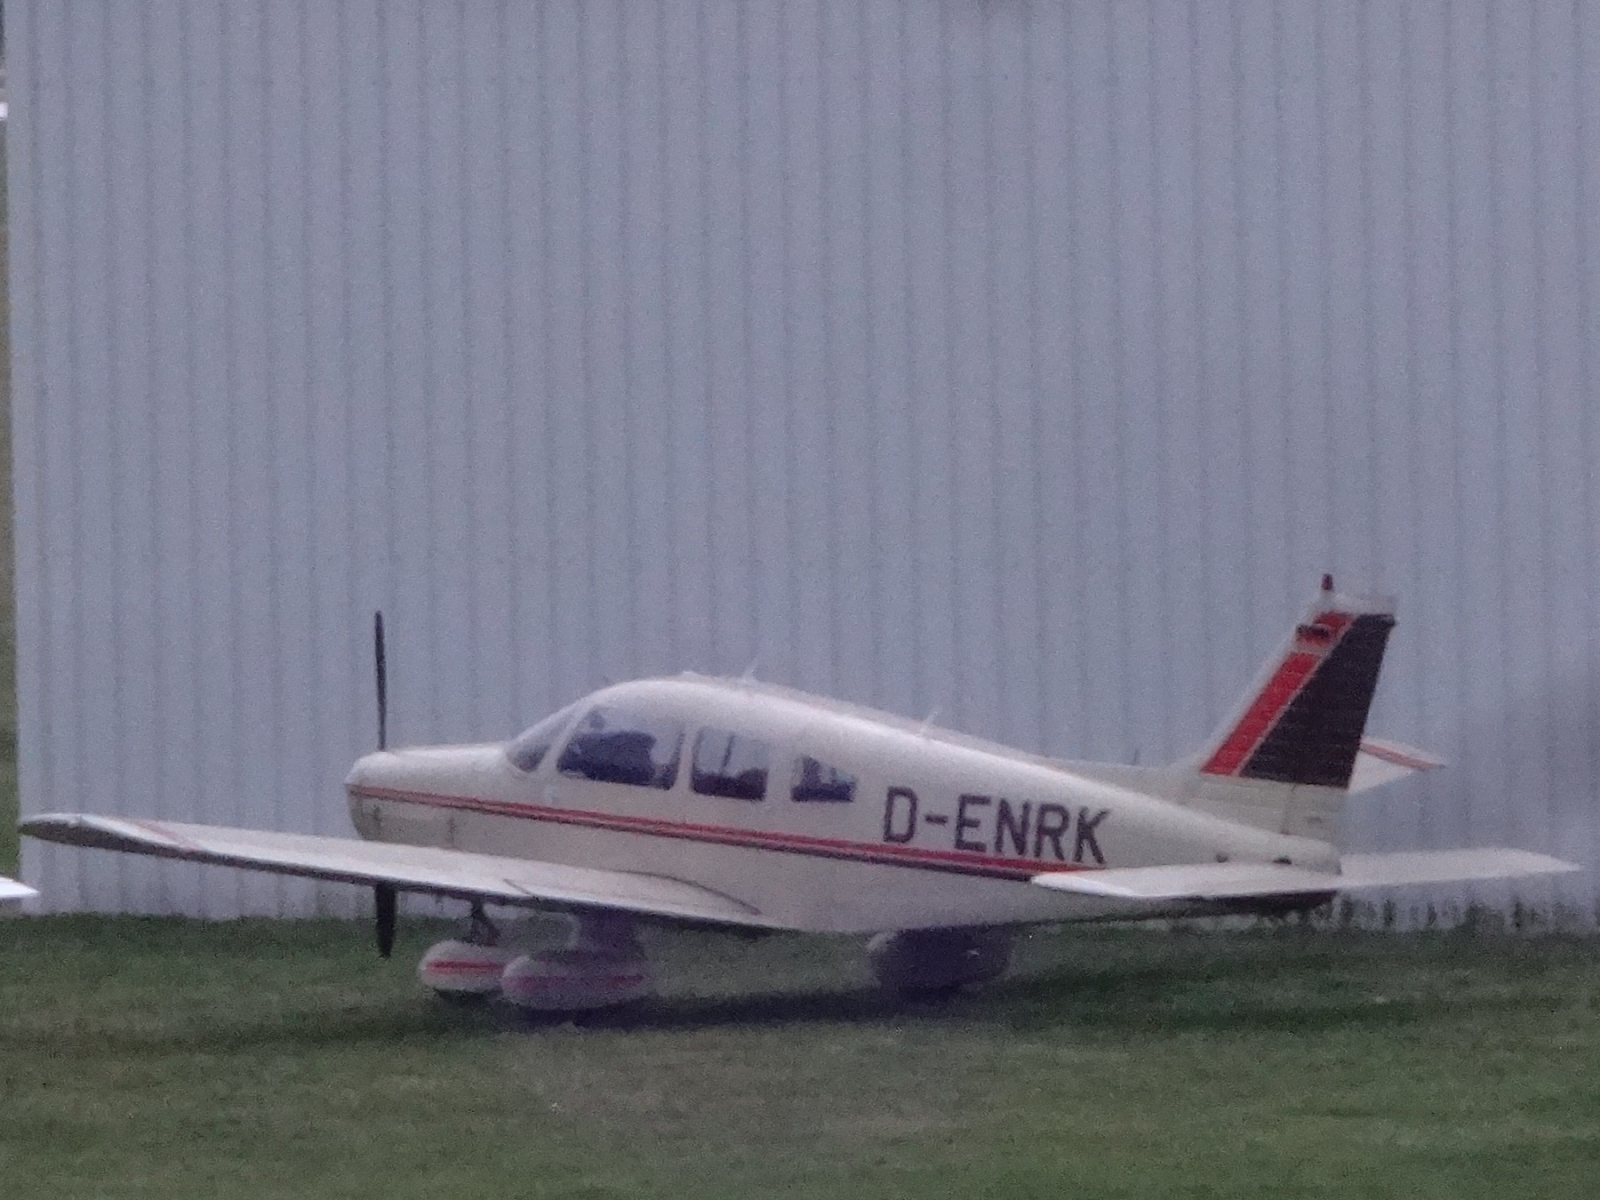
{"x": 382, "y": 662}
{"x": 383, "y": 897}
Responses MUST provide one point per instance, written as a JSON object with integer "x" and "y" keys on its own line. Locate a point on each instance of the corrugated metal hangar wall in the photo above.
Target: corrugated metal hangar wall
{"x": 1023, "y": 363}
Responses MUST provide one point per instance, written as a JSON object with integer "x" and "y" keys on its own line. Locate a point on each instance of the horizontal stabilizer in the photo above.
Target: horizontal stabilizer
{"x": 428, "y": 869}
{"x": 1196, "y": 881}
{"x": 1445, "y": 866}
{"x": 1380, "y": 761}
{"x": 1242, "y": 880}
{"x": 10, "y": 889}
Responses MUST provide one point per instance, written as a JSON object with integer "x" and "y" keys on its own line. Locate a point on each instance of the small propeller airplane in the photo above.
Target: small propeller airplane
{"x": 737, "y": 804}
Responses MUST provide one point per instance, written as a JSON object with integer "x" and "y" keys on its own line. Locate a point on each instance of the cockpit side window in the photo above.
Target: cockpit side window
{"x": 527, "y": 750}
{"x": 814, "y": 780}
{"x": 614, "y": 745}
{"x": 729, "y": 764}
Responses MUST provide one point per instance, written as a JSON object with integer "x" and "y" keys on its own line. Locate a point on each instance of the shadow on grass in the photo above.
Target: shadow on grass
{"x": 1174, "y": 1005}
{"x": 1142, "y": 1001}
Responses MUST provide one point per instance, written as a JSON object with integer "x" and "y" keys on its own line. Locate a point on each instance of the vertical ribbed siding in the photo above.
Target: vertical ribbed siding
{"x": 1022, "y": 364}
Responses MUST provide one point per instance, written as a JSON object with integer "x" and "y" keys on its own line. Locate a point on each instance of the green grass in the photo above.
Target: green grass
{"x": 177, "y": 1058}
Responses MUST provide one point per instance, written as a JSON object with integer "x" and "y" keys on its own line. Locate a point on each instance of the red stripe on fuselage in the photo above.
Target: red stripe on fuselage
{"x": 885, "y": 854}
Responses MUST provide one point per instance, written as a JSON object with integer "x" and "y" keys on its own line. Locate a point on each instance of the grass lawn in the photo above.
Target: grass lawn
{"x": 173, "y": 1058}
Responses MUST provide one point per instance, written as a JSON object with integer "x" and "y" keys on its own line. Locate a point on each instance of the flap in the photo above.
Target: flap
{"x": 428, "y": 869}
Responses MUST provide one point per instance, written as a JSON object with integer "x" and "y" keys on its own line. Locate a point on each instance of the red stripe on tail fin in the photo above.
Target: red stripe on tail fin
{"x": 1302, "y": 723}
{"x": 1262, "y": 714}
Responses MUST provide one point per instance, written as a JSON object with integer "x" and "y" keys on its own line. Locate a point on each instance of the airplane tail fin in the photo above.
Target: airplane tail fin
{"x": 1301, "y": 723}
{"x": 1285, "y": 757}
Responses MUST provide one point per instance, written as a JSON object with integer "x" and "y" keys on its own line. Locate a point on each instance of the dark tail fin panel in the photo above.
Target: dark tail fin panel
{"x": 1303, "y": 723}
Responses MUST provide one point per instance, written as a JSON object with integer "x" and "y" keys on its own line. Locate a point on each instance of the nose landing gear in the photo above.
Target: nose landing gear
{"x": 468, "y": 967}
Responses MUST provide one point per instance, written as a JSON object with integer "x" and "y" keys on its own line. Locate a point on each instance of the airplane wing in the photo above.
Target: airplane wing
{"x": 428, "y": 869}
{"x": 10, "y": 889}
{"x": 1241, "y": 880}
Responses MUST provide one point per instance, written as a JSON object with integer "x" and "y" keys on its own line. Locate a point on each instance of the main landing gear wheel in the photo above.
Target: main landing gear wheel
{"x": 601, "y": 965}
{"x": 467, "y": 968}
{"x": 937, "y": 962}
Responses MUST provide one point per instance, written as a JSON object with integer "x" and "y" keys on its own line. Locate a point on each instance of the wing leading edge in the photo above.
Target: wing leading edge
{"x": 1242, "y": 880}
{"x": 427, "y": 869}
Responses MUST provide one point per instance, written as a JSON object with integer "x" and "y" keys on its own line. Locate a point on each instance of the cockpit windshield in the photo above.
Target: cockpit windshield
{"x": 527, "y": 750}
{"x": 615, "y": 745}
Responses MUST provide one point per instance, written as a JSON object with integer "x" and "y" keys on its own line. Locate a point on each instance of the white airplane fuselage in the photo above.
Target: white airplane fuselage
{"x": 939, "y": 829}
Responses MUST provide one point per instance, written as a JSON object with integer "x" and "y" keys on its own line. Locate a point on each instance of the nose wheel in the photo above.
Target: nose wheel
{"x": 467, "y": 967}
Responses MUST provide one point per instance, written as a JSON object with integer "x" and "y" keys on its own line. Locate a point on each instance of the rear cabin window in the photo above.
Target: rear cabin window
{"x": 815, "y": 780}
{"x": 527, "y": 750}
{"x": 729, "y": 764}
{"x": 613, "y": 745}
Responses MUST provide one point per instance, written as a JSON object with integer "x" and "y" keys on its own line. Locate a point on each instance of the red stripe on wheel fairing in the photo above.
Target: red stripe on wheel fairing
{"x": 467, "y": 968}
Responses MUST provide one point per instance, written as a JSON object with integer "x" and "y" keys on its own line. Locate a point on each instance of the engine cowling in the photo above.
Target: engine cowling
{"x": 457, "y": 968}
{"x": 576, "y": 978}
{"x": 916, "y": 961}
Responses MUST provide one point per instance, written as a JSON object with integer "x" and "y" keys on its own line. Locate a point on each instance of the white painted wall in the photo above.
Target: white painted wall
{"x": 1026, "y": 362}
